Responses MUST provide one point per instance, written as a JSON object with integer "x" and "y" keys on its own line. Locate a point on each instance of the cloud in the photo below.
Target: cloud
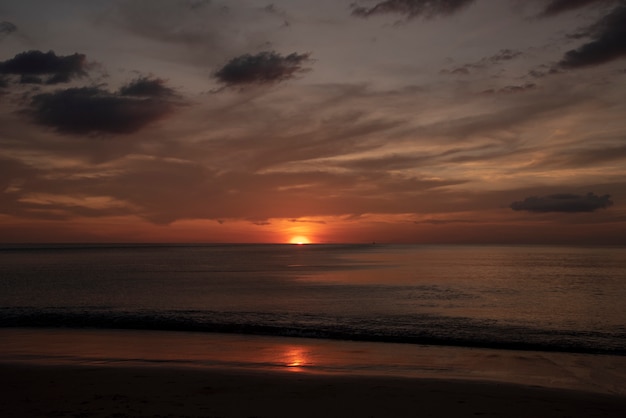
{"x": 273, "y": 10}
{"x": 412, "y": 8}
{"x": 189, "y": 28}
{"x": 512, "y": 89}
{"x": 89, "y": 110}
{"x": 445, "y": 221}
{"x": 30, "y": 79}
{"x": 146, "y": 87}
{"x": 556, "y": 7}
{"x": 501, "y": 56}
{"x": 196, "y": 4}
{"x": 31, "y": 65}
{"x": 306, "y": 221}
{"x": 6, "y": 28}
{"x": 608, "y": 44}
{"x": 504, "y": 55}
{"x": 263, "y": 68}
{"x": 563, "y": 203}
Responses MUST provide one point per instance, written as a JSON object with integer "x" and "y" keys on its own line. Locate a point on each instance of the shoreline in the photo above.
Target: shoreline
{"x": 583, "y": 372}
{"x": 153, "y": 391}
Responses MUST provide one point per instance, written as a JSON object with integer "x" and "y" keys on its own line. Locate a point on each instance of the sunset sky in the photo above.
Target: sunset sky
{"x": 408, "y": 121}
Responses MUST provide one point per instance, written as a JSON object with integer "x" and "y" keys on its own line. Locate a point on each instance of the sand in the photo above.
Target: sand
{"x": 29, "y": 390}
{"x": 115, "y": 373}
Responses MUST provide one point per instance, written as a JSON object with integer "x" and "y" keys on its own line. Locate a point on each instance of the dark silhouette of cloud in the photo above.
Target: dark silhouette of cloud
{"x": 504, "y": 55}
{"x": 32, "y": 65}
{"x": 90, "y": 110}
{"x": 563, "y": 202}
{"x": 512, "y": 89}
{"x": 608, "y": 44}
{"x": 556, "y": 7}
{"x": 196, "y": 4}
{"x": 6, "y": 28}
{"x": 147, "y": 87}
{"x": 262, "y": 68}
{"x": 281, "y": 14}
{"x": 486, "y": 62}
{"x": 412, "y": 8}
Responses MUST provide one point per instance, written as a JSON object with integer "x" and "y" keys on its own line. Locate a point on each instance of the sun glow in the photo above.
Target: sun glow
{"x": 300, "y": 240}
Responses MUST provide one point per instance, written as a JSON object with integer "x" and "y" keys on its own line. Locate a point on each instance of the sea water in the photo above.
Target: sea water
{"x": 558, "y": 299}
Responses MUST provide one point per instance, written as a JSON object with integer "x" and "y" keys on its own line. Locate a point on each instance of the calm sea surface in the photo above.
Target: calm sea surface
{"x": 562, "y": 299}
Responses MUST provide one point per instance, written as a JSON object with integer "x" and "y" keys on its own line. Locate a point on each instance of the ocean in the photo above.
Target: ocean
{"x": 533, "y": 298}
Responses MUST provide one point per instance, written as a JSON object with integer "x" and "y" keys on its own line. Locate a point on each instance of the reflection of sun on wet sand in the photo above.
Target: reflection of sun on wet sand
{"x": 295, "y": 359}
{"x": 92, "y": 391}
{"x": 96, "y": 373}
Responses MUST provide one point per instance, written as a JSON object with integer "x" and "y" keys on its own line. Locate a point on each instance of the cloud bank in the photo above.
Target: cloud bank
{"x": 563, "y": 202}
{"x": 85, "y": 110}
{"x": 608, "y": 44}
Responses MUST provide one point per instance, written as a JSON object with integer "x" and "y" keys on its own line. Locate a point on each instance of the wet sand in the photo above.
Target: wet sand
{"x": 108, "y": 373}
{"x": 29, "y": 390}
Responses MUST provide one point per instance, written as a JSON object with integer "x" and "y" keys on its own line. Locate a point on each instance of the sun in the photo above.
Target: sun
{"x": 300, "y": 240}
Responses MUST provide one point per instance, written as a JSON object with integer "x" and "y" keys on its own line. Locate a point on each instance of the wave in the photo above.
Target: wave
{"x": 411, "y": 329}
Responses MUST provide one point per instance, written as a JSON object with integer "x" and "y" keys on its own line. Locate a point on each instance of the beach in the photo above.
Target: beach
{"x": 105, "y": 391}
{"x": 100, "y": 373}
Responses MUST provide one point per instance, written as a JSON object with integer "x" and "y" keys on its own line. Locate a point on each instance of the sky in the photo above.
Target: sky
{"x": 397, "y": 121}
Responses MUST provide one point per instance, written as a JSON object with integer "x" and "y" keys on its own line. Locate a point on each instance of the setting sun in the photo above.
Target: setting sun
{"x": 300, "y": 240}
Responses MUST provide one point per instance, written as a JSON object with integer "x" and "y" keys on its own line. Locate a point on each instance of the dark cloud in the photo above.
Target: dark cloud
{"x": 263, "y": 68}
{"x": 30, "y": 79}
{"x": 147, "y": 87}
{"x": 608, "y": 44}
{"x": 273, "y": 10}
{"x": 544, "y": 70}
{"x": 502, "y": 56}
{"x": 197, "y": 4}
{"x": 7, "y": 28}
{"x": 464, "y": 70}
{"x": 563, "y": 203}
{"x": 412, "y": 8}
{"x": 556, "y": 7}
{"x": 90, "y": 110}
{"x": 58, "y": 68}
{"x": 512, "y": 89}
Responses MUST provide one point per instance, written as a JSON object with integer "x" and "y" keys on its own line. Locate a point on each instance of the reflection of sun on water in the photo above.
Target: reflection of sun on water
{"x": 300, "y": 240}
